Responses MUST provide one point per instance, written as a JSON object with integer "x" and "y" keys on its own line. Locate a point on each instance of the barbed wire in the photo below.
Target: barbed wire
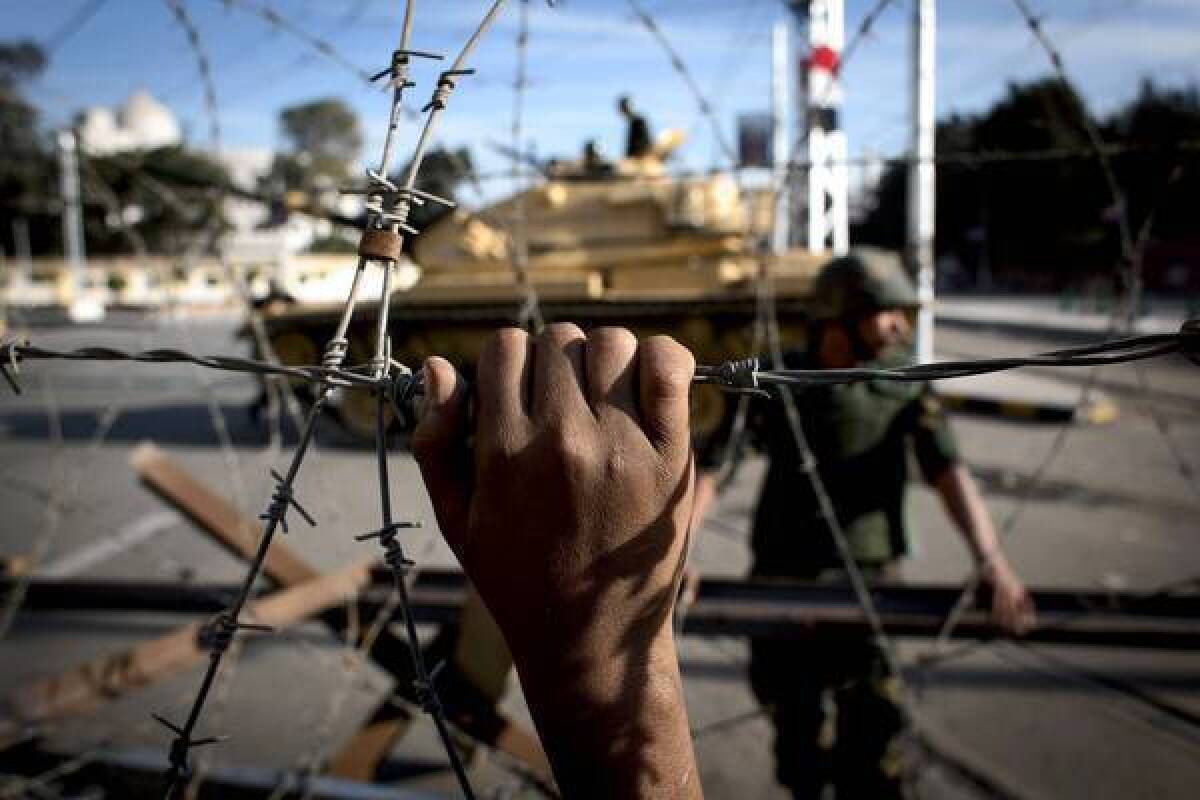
{"x": 742, "y": 375}
{"x": 735, "y": 376}
{"x": 530, "y": 314}
{"x": 703, "y": 105}
{"x": 316, "y": 44}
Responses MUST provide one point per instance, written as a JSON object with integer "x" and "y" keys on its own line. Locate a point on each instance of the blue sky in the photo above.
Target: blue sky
{"x": 582, "y": 54}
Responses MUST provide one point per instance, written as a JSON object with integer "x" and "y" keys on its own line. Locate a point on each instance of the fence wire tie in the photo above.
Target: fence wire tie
{"x": 735, "y": 377}
{"x": 398, "y": 69}
{"x": 445, "y": 85}
{"x": 218, "y": 633}
{"x": 177, "y": 756}
{"x": 8, "y": 353}
{"x": 404, "y": 387}
{"x": 281, "y": 500}
{"x": 425, "y": 691}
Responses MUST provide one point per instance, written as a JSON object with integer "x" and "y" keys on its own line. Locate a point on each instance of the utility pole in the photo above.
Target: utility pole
{"x": 826, "y": 184}
{"x": 782, "y": 178}
{"x": 921, "y": 176}
{"x": 72, "y": 220}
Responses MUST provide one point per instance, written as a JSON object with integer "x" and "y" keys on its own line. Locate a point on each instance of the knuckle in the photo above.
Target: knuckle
{"x": 561, "y": 332}
{"x": 668, "y": 366}
{"x": 612, "y": 337}
{"x": 505, "y": 340}
{"x": 567, "y": 448}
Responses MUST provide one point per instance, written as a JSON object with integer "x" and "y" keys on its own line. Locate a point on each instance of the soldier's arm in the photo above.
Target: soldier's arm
{"x": 937, "y": 453}
{"x": 570, "y": 515}
{"x": 1012, "y": 608}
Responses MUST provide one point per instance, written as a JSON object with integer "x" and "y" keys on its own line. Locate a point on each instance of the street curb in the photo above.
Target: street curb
{"x": 1034, "y": 328}
{"x": 1095, "y": 412}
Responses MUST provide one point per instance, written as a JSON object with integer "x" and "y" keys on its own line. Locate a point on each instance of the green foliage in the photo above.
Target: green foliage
{"x": 324, "y": 141}
{"x": 443, "y": 172}
{"x": 171, "y": 193}
{"x": 1051, "y": 223}
{"x": 27, "y": 173}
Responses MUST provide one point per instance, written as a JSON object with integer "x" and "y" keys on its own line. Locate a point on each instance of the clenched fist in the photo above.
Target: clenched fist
{"x": 567, "y": 501}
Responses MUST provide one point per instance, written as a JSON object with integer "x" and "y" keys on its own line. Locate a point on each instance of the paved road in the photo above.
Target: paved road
{"x": 1113, "y": 511}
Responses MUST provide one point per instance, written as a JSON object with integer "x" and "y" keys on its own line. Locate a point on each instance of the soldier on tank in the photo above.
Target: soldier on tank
{"x": 638, "y": 142}
{"x": 833, "y": 701}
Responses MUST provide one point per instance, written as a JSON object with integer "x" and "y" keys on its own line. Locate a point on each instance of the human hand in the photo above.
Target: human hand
{"x": 1012, "y": 607}
{"x": 570, "y": 515}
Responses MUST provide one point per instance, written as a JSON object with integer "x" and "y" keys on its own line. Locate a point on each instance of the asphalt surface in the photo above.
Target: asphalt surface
{"x": 1113, "y": 510}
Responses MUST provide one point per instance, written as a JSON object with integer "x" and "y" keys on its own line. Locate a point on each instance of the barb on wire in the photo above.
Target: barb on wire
{"x": 530, "y": 314}
{"x": 1131, "y": 274}
{"x": 184, "y": 19}
{"x": 745, "y": 374}
{"x": 317, "y": 44}
{"x": 741, "y": 375}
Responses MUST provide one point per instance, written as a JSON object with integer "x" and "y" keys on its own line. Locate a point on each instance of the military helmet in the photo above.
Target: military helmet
{"x": 866, "y": 279}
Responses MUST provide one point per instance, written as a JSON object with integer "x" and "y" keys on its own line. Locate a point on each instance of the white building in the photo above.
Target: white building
{"x": 142, "y": 123}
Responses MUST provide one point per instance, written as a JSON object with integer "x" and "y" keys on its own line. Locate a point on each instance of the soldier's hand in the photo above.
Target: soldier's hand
{"x": 1012, "y": 607}
{"x": 570, "y": 515}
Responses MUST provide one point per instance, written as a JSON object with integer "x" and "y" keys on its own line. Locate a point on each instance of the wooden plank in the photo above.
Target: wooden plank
{"x": 360, "y": 757}
{"x": 214, "y": 515}
{"x": 87, "y": 686}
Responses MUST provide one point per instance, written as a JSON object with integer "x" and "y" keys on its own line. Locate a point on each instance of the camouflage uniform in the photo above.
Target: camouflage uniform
{"x": 833, "y": 700}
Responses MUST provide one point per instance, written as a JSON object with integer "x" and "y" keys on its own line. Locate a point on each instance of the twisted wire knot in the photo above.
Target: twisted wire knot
{"x": 445, "y": 85}
{"x": 281, "y": 500}
{"x": 394, "y": 557}
{"x": 441, "y": 94}
{"x": 217, "y": 635}
{"x": 335, "y": 353}
{"x": 425, "y": 691}
{"x": 181, "y": 746}
{"x": 741, "y": 373}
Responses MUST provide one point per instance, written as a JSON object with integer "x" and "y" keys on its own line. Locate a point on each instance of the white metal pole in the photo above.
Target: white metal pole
{"x": 921, "y": 175}
{"x": 780, "y": 152}
{"x": 72, "y": 217}
{"x": 24, "y": 253}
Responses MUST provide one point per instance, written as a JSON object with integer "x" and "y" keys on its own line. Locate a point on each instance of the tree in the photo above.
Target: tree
{"x": 324, "y": 141}
{"x": 26, "y": 164}
{"x": 1050, "y": 223}
{"x": 443, "y": 172}
{"x": 170, "y": 194}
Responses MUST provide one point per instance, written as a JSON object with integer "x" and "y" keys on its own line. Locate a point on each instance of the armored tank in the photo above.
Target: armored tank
{"x": 608, "y": 244}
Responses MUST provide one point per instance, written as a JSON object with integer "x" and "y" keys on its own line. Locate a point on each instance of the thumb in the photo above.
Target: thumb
{"x": 439, "y": 445}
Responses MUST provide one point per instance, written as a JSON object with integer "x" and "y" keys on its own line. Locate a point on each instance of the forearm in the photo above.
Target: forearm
{"x": 703, "y": 497}
{"x": 618, "y": 727}
{"x": 964, "y": 504}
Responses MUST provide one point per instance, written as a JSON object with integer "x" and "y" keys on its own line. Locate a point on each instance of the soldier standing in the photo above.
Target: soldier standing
{"x": 834, "y": 702}
{"x": 637, "y": 140}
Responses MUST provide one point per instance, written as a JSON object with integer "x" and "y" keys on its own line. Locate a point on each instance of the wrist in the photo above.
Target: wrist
{"x": 613, "y": 721}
